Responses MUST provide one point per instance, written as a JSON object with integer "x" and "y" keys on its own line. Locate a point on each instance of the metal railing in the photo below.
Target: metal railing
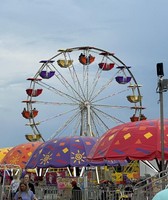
{"x": 92, "y": 193}
{"x": 143, "y": 190}
{"x": 147, "y": 188}
{"x": 86, "y": 194}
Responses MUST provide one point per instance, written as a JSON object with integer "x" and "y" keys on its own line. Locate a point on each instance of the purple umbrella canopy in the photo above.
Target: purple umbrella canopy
{"x": 66, "y": 152}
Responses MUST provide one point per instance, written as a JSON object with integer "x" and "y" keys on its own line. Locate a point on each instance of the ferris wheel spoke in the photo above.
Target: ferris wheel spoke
{"x": 112, "y": 118}
{"x": 76, "y": 127}
{"x": 76, "y": 80}
{"x": 66, "y": 124}
{"x": 59, "y": 92}
{"x": 59, "y": 115}
{"x": 109, "y": 96}
{"x": 66, "y": 84}
{"x": 85, "y": 80}
{"x": 74, "y": 77}
{"x": 111, "y": 106}
{"x": 105, "y": 86}
{"x": 100, "y": 121}
{"x": 99, "y": 75}
{"x": 95, "y": 81}
{"x": 95, "y": 123}
{"x": 56, "y": 103}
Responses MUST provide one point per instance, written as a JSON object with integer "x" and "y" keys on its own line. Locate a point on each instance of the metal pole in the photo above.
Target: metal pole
{"x": 162, "y": 87}
{"x": 3, "y": 184}
{"x": 162, "y": 130}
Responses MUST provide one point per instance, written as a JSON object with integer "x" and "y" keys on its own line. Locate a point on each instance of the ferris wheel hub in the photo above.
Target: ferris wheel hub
{"x": 85, "y": 105}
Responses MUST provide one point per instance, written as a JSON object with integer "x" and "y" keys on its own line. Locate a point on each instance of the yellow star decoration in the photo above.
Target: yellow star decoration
{"x": 46, "y": 158}
{"x": 78, "y": 157}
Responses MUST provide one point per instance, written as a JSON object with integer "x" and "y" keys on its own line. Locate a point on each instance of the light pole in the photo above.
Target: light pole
{"x": 162, "y": 87}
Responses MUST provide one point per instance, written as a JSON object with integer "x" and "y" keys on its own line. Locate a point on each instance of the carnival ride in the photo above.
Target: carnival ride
{"x": 81, "y": 91}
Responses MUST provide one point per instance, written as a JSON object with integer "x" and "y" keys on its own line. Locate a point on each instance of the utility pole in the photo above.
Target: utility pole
{"x": 162, "y": 87}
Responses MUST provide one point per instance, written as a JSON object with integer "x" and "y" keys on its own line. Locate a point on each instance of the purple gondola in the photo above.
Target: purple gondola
{"x": 123, "y": 80}
{"x": 46, "y": 74}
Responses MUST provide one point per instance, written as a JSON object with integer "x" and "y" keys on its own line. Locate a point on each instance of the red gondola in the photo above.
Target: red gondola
{"x": 29, "y": 114}
{"x": 106, "y": 66}
{"x": 34, "y": 93}
{"x": 134, "y": 118}
{"x": 86, "y": 60}
{"x": 142, "y": 117}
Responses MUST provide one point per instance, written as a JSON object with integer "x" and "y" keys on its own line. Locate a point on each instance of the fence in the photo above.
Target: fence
{"x": 52, "y": 193}
{"x": 147, "y": 188}
{"x": 144, "y": 190}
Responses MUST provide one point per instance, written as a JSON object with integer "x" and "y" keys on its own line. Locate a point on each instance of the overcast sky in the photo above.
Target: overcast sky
{"x": 34, "y": 30}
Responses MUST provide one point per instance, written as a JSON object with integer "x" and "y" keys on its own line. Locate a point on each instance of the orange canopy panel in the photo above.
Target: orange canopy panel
{"x": 19, "y": 155}
{"x": 3, "y": 152}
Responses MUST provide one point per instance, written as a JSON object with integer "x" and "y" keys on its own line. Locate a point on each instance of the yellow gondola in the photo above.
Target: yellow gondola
{"x": 33, "y": 137}
{"x": 64, "y": 63}
{"x": 134, "y": 98}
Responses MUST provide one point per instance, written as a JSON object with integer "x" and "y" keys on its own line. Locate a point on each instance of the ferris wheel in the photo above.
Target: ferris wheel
{"x": 81, "y": 91}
